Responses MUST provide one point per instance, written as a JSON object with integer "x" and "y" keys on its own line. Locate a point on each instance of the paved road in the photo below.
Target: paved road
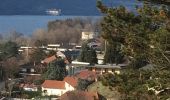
{"x": 2, "y": 85}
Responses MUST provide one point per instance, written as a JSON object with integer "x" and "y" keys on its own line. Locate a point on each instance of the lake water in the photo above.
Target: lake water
{"x": 26, "y": 16}
{"x": 68, "y": 7}
{"x": 27, "y": 24}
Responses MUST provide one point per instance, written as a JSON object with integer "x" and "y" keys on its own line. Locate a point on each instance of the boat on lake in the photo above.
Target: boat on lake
{"x": 55, "y": 12}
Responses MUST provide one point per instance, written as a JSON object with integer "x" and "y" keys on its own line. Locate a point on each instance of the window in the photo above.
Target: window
{"x": 45, "y": 91}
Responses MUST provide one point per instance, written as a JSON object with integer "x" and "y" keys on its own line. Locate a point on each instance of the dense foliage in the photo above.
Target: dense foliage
{"x": 8, "y": 49}
{"x": 143, "y": 38}
{"x": 56, "y": 70}
{"x": 159, "y": 1}
{"x": 140, "y": 84}
{"x": 68, "y": 31}
{"x": 83, "y": 84}
{"x": 37, "y": 55}
{"x": 8, "y": 58}
{"x": 88, "y": 54}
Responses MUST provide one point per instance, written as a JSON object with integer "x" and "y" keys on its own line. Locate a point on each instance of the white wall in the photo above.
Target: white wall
{"x": 30, "y": 89}
{"x": 49, "y": 92}
{"x": 69, "y": 87}
{"x": 58, "y": 92}
{"x": 87, "y": 35}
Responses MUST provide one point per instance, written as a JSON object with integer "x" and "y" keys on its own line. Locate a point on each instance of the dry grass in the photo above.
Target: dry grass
{"x": 109, "y": 93}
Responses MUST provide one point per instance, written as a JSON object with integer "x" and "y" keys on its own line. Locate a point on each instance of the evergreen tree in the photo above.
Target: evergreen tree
{"x": 135, "y": 35}
{"x": 144, "y": 39}
{"x": 8, "y": 49}
{"x": 92, "y": 56}
{"x": 56, "y": 70}
{"x": 113, "y": 31}
{"x": 112, "y": 55}
{"x": 37, "y": 55}
{"x": 83, "y": 84}
{"x": 88, "y": 54}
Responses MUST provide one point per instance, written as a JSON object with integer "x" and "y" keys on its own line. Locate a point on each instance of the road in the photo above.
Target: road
{"x": 2, "y": 85}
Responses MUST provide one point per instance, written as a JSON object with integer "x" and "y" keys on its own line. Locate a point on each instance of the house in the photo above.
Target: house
{"x": 76, "y": 67}
{"x": 53, "y": 87}
{"x": 53, "y": 46}
{"x": 87, "y": 75}
{"x": 29, "y": 69}
{"x": 49, "y": 59}
{"x": 72, "y": 54}
{"x": 79, "y": 95}
{"x": 29, "y": 87}
{"x": 55, "y": 57}
{"x": 100, "y": 58}
{"x": 88, "y": 35}
{"x": 71, "y": 80}
{"x": 26, "y": 50}
{"x": 110, "y": 68}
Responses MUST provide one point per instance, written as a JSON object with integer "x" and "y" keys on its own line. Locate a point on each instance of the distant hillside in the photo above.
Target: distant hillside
{"x": 166, "y": 2}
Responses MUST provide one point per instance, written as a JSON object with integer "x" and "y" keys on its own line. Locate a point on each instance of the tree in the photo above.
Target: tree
{"x": 113, "y": 56}
{"x": 134, "y": 35}
{"x": 8, "y": 49}
{"x": 14, "y": 35}
{"x": 69, "y": 30}
{"x": 1, "y": 73}
{"x": 139, "y": 84}
{"x": 9, "y": 61}
{"x": 37, "y": 55}
{"x": 144, "y": 39}
{"x": 39, "y": 43}
{"x": 11, "y": 67}
{"x": 51, "y": 53}
{"x": 88, "y": 54}
{"x": 83, "y": 84}
{"x": 113, "y": 31}
{"x": 92, "y": 56}
{"x": 56, "y": 70}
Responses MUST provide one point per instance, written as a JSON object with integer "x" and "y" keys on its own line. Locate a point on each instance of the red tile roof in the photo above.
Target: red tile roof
{"x": 86, "y": 75}
{"x": 49, "y": 59}
{"x": 71, "y": 80}
{"x": 52, "y": 58}
{"x": 27, "y": 85}
{"x": 53, "y": 84}
{"x": 66, "y": 61}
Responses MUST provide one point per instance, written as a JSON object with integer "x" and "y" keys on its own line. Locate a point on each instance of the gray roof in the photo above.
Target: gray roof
{"x": 105, "y": 66}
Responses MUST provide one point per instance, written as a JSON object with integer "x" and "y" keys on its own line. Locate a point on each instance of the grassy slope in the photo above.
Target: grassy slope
{"x": 104, "y": 90}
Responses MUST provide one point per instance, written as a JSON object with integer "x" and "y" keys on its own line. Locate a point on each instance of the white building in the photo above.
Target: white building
{"x": 76, "y": 67}
{"x": 53, "y": 46}
{"x": 53, "y": 87}
{"x": 29, "y": 87}
{"x": 100, "y": 58}
{"x": 88, "y": 35}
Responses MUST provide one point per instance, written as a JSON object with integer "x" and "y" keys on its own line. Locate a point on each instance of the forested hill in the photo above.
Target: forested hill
{"x": 68, "y": 7}
{"x": 159, "y": 2}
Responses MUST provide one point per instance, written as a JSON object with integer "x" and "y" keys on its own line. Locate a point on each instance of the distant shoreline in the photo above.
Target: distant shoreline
{"x": 27, "y": 24}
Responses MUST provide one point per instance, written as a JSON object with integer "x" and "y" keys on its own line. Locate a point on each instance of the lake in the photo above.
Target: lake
{"x": 26, "y": 16}
{"x": 27, "y": 24}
